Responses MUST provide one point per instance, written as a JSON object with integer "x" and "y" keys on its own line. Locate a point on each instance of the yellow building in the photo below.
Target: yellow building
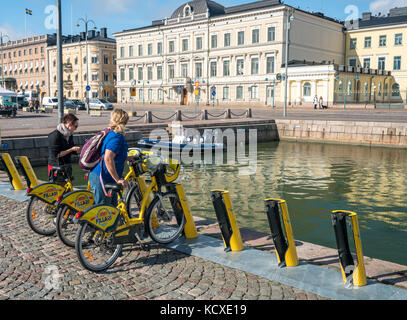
{"x": 380, "y": 43}
{"x": 99, "y": 63}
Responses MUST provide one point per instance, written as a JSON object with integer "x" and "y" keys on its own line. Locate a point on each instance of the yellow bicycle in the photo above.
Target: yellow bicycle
{"x": 105, "y": 229}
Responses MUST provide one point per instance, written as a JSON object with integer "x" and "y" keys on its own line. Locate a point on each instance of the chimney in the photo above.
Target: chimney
{"x": 91, "y": 34}
{"x": 366, "y": 16}
{"x": 83, "y": 35}
{"x": 103, "y": 32}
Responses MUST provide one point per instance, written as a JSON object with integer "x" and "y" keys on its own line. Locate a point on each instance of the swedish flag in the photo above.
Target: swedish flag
{"x": 29, "y": 12}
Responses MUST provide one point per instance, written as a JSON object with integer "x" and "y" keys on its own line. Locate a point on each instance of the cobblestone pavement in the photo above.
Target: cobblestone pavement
{"x": 28, "y": 261}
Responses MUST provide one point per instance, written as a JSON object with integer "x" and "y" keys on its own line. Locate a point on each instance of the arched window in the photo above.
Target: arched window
{"x": 187, "y": 11}
{"x": 395, "y": 90}
{"x": 307, "y": 89}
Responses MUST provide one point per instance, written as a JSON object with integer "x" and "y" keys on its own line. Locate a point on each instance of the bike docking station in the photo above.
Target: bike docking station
{"x": 352, "y": 275}
{"x": 227, "y": 220}
{"x": 281, "y": 232}
{"x": 189, "y": 228}
{"x": 17, "y": 190}
{"x": 28, "y": 171}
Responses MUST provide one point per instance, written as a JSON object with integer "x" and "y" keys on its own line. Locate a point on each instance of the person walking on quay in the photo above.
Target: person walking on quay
{"x": 321, "y": 102}
{"x": 315, "y": 102}
{"x": 61, "y": 144}
{"x": 36, "y": 105}
{"x": 113, "y": 157}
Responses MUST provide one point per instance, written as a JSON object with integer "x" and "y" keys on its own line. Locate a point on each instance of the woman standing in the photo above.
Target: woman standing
{"x": 60, "y": 143}
{"x": 114, "y": 155}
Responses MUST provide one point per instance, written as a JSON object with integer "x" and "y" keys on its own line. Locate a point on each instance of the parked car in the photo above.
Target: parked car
{"x": 69, "y": 104}
{"x": 80, "y": 105}
{"x": 100, "y": 104}
{"x": 22, "y": 102}
{"x": 8, "y": 106}
{"x": 50, "y": 102}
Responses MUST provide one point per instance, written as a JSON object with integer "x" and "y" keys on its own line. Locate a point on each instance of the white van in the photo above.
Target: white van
{"x": 50, "y": 102}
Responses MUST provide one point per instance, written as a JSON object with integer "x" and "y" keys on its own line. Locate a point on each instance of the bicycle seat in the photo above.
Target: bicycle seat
{"x": 114, "y": 187}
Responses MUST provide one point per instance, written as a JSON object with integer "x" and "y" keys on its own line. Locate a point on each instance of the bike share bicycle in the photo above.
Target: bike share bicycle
{"x": 105, "y": 229}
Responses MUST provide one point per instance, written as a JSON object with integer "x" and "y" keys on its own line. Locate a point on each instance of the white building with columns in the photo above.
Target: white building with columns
{"x": 235, "y": 51}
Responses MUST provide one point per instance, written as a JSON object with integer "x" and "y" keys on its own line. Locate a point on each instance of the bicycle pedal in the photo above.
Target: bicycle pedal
{"x": 145, "y": 246}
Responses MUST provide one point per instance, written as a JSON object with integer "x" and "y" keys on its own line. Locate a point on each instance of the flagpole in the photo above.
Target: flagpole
{"x": 25, "y": 24}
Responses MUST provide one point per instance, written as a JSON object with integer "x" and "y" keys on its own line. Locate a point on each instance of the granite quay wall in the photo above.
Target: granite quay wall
{"x": 384, "y": 134}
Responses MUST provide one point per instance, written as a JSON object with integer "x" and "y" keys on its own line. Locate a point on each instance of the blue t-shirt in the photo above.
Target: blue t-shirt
{"x": 116, "y": 143}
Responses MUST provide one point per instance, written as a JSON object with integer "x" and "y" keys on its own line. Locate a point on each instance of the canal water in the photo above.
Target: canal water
{"x": 314, "y": 179}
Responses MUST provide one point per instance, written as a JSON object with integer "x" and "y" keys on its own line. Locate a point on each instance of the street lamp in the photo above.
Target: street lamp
{"x": 86, "y": 23}
{"x": 290, "y": 17}
{"x": 2, "y": 65}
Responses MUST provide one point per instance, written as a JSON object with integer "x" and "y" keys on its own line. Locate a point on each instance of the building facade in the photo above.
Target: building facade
{"x": 25, "y": 64}
{"x": 380, "y": 43}
{"x": 226, "y": 55}
{"x": 97, "y": 59}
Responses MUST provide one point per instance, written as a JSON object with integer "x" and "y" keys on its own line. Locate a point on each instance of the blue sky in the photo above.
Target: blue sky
{"x": 118, "y": 15}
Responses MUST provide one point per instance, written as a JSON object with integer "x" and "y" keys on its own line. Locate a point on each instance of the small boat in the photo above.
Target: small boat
{"x": 178, "y": 147}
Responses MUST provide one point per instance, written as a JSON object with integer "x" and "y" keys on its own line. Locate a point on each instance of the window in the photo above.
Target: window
{"x": 254, "y": 92}
{"x": 94, "y": 60}
{"x": 105, "y": 77}
{"x": 159, "y": 48}
{"x": 184, "y": 70}
{"x": 352, "y": 62}
{"x": 368, "y": 42}
{"x": 198, "y": 69}
{"x": 255, "y": 65}
{"x": 171, "y": 46}
{"x": 140, "y": 73}
{"x": 227, "y": 40}
{"x": 239, "y": 93}
{"x": 255, "y": 36}
{"x": 366, "y": 63}
{"x": 395, "y": 90}
{"x": 240, "y": 38}
{"x": 398, "y": 39}
{"x": 131, "y": 74}
{"x": 226, "y": 92}
{"x": 381, "y": 63}
{"x": 214, "y": 41}
{"x": 121, "y": 52}
{"x": 149, "y": 73}
{"x": 226, "y": 68}
{"x": 271, "y": 34}
{"x": 150, "y": 49}
{"x": 160, "y": 94}
{"x": 214, "y": 67}
{"x": 270, "y": 64}
{"x": 150, "y": 94}
{"x": 122, "y": 75}
{"x": 95, "y": 77}
{"x": 353, "y": 43}
{"x": 140, "y": 50}
{"x": 397, "y": 63}
{"x": 105, "y": 59}
{"x": 131, "y": 51}
{"x": 199, "y": 43}
{"x": 382, "y": 41}
{"x": 184, "y": 44}
{"x": 159, "y": 72}
{"x": 239, "y": 67}
{"x": 307, "y": 89}
{"x": 171, "y": 71}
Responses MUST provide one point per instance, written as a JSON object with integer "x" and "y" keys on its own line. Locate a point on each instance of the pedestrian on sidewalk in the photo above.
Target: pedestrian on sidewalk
{"x": 321, "y": 102}
{"x": 315, "y": 102}
{"x": 61, "y": 144}
{"x": 36, "y": 105}
{"x": 114, "y": 155}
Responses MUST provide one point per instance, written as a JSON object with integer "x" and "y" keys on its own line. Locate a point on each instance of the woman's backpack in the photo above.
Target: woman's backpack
{"x": 90, "y": 155}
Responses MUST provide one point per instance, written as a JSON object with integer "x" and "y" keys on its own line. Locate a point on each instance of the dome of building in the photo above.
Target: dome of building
{"x": 199, "y": 7}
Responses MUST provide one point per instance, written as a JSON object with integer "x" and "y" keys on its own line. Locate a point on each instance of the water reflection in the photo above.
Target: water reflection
{"x": 315, "y": 179}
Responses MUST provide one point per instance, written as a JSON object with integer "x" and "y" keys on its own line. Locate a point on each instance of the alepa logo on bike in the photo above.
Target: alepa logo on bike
{"x": 103, "y": 217}
{"x": 82, "y": 201}
{"x": 50, "y": 193}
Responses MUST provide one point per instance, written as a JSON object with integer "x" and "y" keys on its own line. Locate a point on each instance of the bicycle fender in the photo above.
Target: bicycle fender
{"x": 48, "y": 192}
{"x": 101, "y": 217}
{"x": 78, "y": 200}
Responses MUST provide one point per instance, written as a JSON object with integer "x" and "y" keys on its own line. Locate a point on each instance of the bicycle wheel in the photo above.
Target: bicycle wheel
{"x": 95, "y": 252}
{"x": 133, "y": 201}
{"x": 40, "y": 217}
{"x": 66, "y": 229}
{"x": 165, "y": 218}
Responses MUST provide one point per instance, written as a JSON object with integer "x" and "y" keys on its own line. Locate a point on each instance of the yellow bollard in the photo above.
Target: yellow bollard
{"x": 28, "y": 171}
{"x": 12, "y": 172}
{"x": 227, "y": 220}
{"x": 283, "y": 240}
{"x": 350, "y": 273}
{"x": 190, "y": 228}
